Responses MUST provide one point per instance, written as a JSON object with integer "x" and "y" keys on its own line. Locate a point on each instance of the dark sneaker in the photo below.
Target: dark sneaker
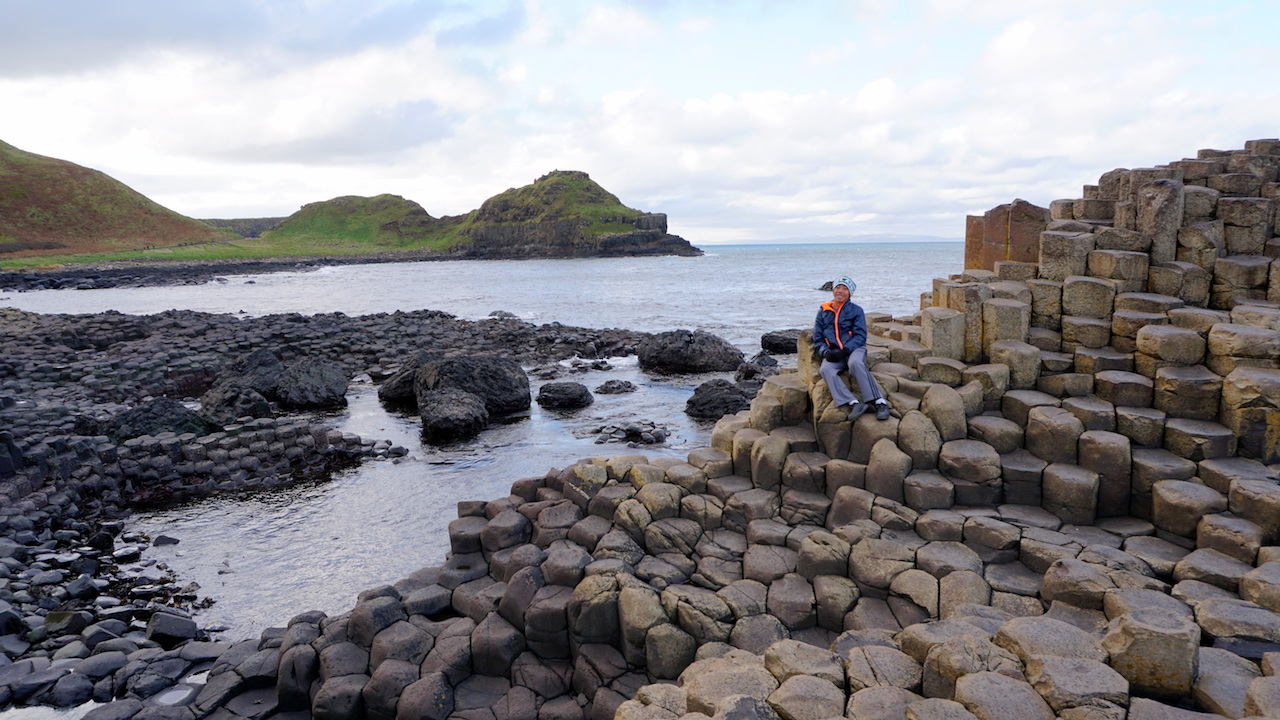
{"x": 856, "y": 411}
{"x": 882, "y": 411}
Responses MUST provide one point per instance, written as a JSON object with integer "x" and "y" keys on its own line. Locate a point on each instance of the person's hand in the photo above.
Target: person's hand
{"x": 837, "y": 355}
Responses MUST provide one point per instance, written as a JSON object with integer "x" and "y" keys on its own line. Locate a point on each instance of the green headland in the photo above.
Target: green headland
{"x": 53, "y": 212}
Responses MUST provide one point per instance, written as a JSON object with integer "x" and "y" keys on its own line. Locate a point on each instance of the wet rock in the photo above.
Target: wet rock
{"x": 615, "y": 387}
{"x": 715, "y": 398}
{"x": 640, "y": 432}
{"x": 780, "y": 342}
{"x": 686, "y": 351}
{"x": 312, "y": 384}
{"x": 450, "y": 414}
{"x": 168, "y": 630}
{"x": 564, "y": 396}
{"x": 499, "y": 382}
{"x": 397, "y": 390}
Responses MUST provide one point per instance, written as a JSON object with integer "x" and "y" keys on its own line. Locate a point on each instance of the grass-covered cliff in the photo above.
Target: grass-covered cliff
{"x": 561, "y": 214}
{"x": 53, "y": 207}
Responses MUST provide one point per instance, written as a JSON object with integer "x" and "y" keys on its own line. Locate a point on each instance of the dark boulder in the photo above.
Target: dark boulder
{"x": 500, "y": 382}
{"x": 156, "y": 416}
{"x": 397, "y": 390}
{"x": 169, "y": 630}
{"x": 780, "y": 342}
{"x": 225, "y": 403}
{"x": 450, "y": 414}
{"x": 687, "y": 351}
{"x": 259, "y": 370}
{"x": 313, "y": 384}
{"x": 716, "y": 398}
{"x": 615, "y": 387}
{"x": 564, "y": 396}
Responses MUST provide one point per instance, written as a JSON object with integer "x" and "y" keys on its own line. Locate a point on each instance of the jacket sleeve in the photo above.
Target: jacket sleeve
{"x": 859, "y": 329}
{"x": 820, "y": 340}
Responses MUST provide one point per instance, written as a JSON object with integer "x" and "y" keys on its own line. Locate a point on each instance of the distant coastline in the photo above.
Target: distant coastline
{"x": 868, "y": 239}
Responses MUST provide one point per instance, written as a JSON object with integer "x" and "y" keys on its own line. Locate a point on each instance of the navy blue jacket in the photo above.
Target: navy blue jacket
{"x": 852, "y": 324}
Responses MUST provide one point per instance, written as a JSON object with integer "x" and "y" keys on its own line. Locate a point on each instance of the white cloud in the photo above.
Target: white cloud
{"x": 697, "y": 25}
{"x": 608, "y": 24}
{"x": 738, "y": 121}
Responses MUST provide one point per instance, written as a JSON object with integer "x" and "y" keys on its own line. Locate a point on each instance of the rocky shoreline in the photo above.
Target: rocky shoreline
{"x": 74, "y": 590}
{"x": 123, "y": 274}
{"x": 1073, "y": 512}
{"x": 151, "y": 273}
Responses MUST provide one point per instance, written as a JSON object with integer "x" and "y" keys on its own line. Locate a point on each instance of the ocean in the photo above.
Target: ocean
{"x": 265, "y": 557}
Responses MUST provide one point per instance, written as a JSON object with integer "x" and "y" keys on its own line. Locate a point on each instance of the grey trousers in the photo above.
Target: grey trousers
{"x": 857, "y": 367}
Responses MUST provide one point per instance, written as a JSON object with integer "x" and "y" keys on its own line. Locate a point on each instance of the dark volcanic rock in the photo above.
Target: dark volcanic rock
{"x": 640, "y": 432}
{"x": 715, "y": 398}
{"x": 313, "y": 384}
{"x": 398, "y": 389}
{"x": 451, "y": 414}
{"x": 225, "y": 403}
{"x": 615, "y": 387}
{"x": 780, "y": 342}
{"x": 564, "y": 395}
{"x": 687, "y": 351}
{"x": 156, "y": 416}
{"x": 499, "y": 382}
{"x": 259, "y": 370}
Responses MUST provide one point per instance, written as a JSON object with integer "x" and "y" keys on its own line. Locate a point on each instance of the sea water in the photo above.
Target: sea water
{"x": 736, "y": 291}
{"x": 265, "y": 557}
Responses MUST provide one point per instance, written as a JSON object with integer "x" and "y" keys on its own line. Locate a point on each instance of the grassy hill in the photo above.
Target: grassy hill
{"x": 358, "y": 224}
{"x": 51, "y": 207}
{"x": 556, "y": 197}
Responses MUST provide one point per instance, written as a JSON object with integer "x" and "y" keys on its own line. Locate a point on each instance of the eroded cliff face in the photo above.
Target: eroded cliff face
{"x": 571, "y": 238}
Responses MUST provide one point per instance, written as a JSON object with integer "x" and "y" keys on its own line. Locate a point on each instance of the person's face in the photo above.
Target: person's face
{"x": 840, "y": 293}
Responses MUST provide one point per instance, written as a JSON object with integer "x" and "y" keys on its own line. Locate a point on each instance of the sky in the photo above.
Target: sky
{"x": 743, "y": 121}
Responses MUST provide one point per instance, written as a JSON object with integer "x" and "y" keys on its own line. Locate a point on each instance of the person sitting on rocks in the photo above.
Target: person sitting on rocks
{"x": 840, "y": 336}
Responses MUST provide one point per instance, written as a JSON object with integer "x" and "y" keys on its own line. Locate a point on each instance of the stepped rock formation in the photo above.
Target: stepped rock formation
{"x": 1074, "y": 512}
